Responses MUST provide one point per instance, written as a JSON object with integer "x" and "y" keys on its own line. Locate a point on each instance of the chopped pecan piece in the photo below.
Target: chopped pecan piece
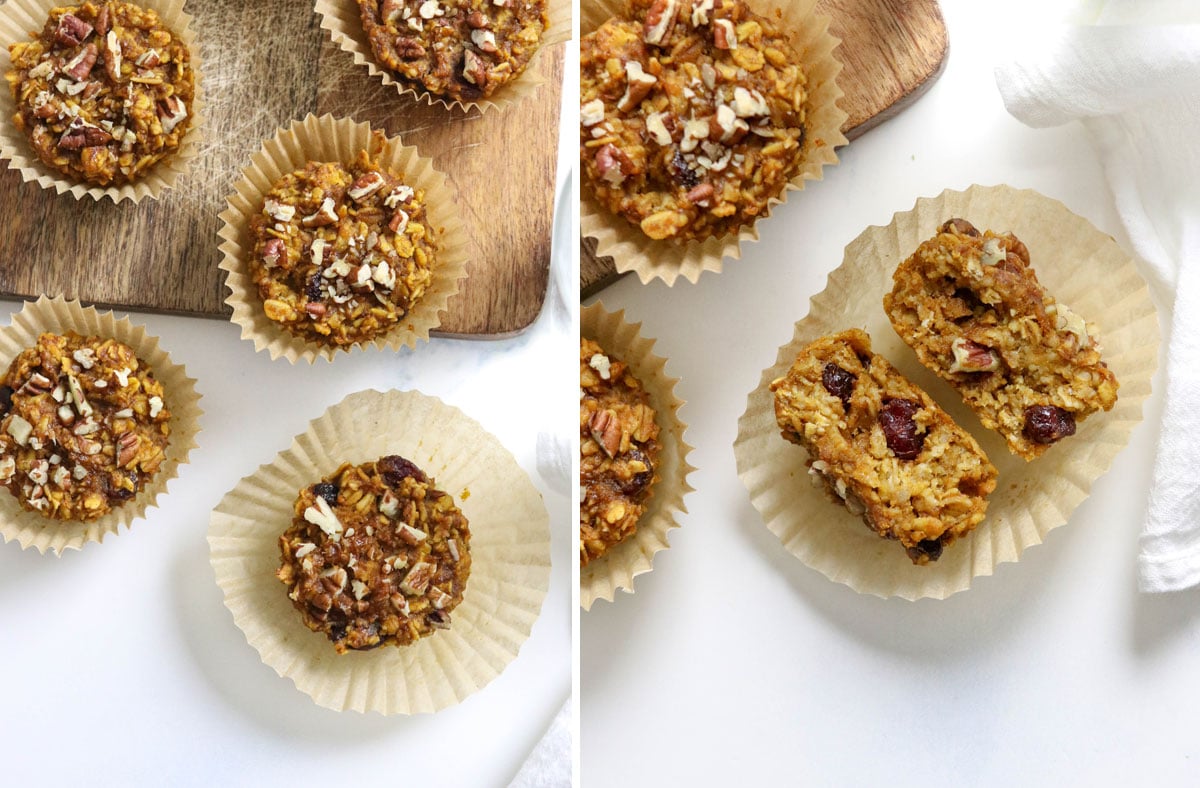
{"x": 71, "y": 31}
{"x": 80, "y": 66}
{"x": 127, "y": 449}
{"x": 365, "y": 185}
{"x": 408, "y": 48}
{"x": 606, "y": 431}
{"x": 613, "y": 164}
{"x": 972, "y": 357}
{"x": 171, "y": 112}
{"x": 102, "y": 21}
{"x": 80, "y": 135}
{"x": 659, "y": 21}
{"x": 417, "y": 579}
{"x": 273, "y": 251}
{"x": 112, "y": 55}
{"x": 325, "y": 214}
{"x": 638, "y": 86}
{"x": 724, "y": 36}
{"x": 701, "y": 194}
{"x": 474, "y": 69}
{"x": 960, "y": 226}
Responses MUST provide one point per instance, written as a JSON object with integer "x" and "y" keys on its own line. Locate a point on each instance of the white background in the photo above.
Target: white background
{"x": 119, "y": 664}
{"x": 735, "y": 664}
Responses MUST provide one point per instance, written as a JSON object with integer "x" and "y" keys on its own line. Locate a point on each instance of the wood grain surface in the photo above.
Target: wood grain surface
{"x": 263, "y": 63}
{"x": 892, "y": 52}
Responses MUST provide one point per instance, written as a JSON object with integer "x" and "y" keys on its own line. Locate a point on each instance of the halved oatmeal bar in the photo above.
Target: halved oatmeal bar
{"x": 881, "y": 446}
{"x": 972, "y": 308}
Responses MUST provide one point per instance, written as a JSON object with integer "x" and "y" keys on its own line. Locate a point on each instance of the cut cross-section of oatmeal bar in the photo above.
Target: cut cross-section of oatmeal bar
{"x": 972, "y": 308}
{"x": 881, "y": 446}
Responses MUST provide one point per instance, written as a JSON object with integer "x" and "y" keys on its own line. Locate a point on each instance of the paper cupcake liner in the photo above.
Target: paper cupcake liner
{"x": 616, "y": 569}
{"x": 1080, "y": 266}
{"x": 631, "y": 249}
{"x": 332, "y": 139}
{"x": 57, "y": 315}
{"x": 342, "y": 20}
{"x": 18, "y": 18}
{"x": 510, "y": 556}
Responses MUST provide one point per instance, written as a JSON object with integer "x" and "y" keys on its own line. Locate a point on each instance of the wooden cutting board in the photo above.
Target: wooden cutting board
{"x": 264, "y": 63}
{"x": 892, "y": 52}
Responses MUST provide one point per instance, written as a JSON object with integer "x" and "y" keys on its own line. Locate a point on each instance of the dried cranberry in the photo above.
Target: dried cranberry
{"x": 1046, "y": 423}
{"x": 682, "y": 172}
{"x": 929, "y": 549}
{"x": 640, "y": 481}
{"x": 312, "y": 289}
{"x": 114, "y": 491}
{"x": 396, "y": 469}
{"x": 968, "y": 297}
{"x": 839, "y": 383}
{"x": 327, "y": 490}
{"x": 6, "y": 395}
{"x": 899, "y": 428}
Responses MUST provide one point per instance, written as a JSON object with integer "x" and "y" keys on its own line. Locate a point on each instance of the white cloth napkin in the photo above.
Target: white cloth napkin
{"x": 1137, "y": 90}
{"x": 549, "y": 765}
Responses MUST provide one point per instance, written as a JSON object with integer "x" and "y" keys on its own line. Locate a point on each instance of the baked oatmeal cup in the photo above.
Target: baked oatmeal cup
{"x": 102, "y": 455}
{"x": 692, "y": 115}
{"x": 337, "y": 237}
{"x": 618, "y": 451}
{"x": 630, "y": 502}
{"x": 461, "y": 49}
{"x": 341, "y": 253}
{"x": 104, "y": 92}
{"x": 375, "y": 555}
{"x": 685, "y": 145}
{"x": 388, "y": 554}
{"x": 83, "y": 426}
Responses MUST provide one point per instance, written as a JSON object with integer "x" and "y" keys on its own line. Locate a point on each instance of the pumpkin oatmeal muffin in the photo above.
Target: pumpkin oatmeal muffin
{"x": 104, "y": 92}
{"x": 341, "y": 253}
{"x": 462, "y": 49}
{"x": 375, "y": 555}
{"x": 881, "y": 447}
{"x": 971, "y": 306}
{"x": 618, "y": 447}
{"x": 692, "y": 115}
{"x": 83, "y": 426}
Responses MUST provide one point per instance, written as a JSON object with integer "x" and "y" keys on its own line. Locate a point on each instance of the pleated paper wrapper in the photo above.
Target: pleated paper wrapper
{"x": 510, "y": 556}
{"x": 343, "y": 21}
{"x": 1077, "y": 264}
{"x": 327, "y": 138}
{"x": 616, "y": 569}
{"x": 57, "y": 316}
{"x": 631, "y": 249}
{"x": 19, "y": 18}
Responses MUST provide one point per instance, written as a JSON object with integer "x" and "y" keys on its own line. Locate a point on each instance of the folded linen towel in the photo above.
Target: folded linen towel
{"x": 549, "y": 765}
{"x": 1137, "y": 91}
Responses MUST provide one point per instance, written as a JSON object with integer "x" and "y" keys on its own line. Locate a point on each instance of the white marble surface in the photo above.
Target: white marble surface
{"x": 122, "y": 666}
{"x": 735, "y": 664}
